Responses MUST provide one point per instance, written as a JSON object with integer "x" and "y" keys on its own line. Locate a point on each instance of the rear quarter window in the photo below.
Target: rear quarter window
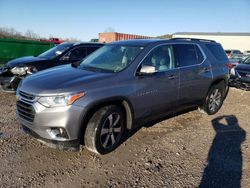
{"x": 217, "y": 51}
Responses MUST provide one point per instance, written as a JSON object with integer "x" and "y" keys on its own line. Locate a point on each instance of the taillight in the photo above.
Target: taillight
{"x": 229, "y": 65}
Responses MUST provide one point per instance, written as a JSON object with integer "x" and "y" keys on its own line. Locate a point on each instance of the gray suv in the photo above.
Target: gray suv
{"x": 119, "y": 87}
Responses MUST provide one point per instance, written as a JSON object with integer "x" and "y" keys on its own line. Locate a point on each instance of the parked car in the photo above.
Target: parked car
{"x": 240, "y": 75}
{"x": 232, "y": 63}
{"x": 65, "y": 53}
{"x": 234, "y": 54}
{"x": 119, "y": 87}
{"x": 247, "y": 52}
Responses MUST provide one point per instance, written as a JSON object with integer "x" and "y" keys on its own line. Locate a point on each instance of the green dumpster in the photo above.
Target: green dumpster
{"x": 14, "y": 48}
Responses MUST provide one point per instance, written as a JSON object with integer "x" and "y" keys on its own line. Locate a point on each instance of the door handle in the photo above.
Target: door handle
{"x": 171, "y": 77}
{"x": 205, "y": 69}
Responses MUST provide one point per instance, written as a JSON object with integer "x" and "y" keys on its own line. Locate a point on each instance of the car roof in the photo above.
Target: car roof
{"x": 137, "y": 42}
{"x": 145, "y": 42}
{"x": 88, "y": 43}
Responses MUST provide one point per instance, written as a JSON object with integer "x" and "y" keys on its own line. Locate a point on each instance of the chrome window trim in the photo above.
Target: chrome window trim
{"x": 172, "y": 43}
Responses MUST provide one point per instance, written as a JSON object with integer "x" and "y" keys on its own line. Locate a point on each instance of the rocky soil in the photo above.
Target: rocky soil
{"x": 188, "y": 150}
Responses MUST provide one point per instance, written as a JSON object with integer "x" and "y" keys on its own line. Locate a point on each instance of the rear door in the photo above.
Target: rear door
{"x": 157, "y": 93}
{"x": 195, "y": 73}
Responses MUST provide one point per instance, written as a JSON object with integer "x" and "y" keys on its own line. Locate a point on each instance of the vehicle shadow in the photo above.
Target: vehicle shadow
{"x": 224, "y": 168}
{"x": 153, "y": 122}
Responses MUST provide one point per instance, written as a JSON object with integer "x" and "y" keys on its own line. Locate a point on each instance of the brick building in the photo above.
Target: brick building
{"x": 113, "y": 36}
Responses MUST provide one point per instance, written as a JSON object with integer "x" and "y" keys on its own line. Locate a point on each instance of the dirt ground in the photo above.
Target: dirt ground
{"x": 189, "y": 150}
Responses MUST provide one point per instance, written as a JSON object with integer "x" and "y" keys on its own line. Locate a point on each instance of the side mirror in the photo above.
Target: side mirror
{"x": 76, "y": 63}
{"x": 145, "y": 69}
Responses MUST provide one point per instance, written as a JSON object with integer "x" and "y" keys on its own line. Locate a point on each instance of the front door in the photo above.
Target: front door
{"x": 157, "y": 93}
{"x": 74, "y": 55}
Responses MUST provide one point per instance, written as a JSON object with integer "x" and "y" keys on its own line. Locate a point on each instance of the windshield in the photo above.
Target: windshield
{"x": 247, "y": 60}
{"x": 111, "y": 58}
{"x": 236, "y": 52}
{"x": 57, "y": 50}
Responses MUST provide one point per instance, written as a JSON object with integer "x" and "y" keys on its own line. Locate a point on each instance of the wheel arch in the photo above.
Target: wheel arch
{"x": 216, "y": 82}
{"x": 122, "y": 102}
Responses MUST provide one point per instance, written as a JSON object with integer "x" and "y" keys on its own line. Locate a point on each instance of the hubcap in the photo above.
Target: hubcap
{"x": 111, "y": 130}
{"x": 215, "y": 100}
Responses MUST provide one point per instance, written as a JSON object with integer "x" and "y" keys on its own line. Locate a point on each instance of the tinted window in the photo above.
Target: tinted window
{"x": 91, "y": 49}
{"x": 200, "y": 57}
{"x": 77, "y": 53}
{"x": 236, "y": 52}
{"x": 185, "y": 54}
{"x": 161, "y": 58}
{"x": 217, "y": 51}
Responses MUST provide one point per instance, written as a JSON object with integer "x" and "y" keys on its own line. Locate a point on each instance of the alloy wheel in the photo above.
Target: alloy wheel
{"x": 111, "y": 130}
{"x": 215, "y": 100}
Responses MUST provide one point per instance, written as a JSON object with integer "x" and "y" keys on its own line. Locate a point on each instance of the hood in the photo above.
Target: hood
{"x": 243, "y": 67}
{"x": 24, "y": 61}
{"x": 63, "y": 79}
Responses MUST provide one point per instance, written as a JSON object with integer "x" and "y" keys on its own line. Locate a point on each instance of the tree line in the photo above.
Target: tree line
{"x": 6, "y": 32}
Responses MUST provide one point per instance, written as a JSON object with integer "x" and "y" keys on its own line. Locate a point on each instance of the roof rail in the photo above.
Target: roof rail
{"x": 193, "y": 39}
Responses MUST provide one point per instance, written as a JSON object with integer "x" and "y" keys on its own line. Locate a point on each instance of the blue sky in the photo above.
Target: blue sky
{"x": 84, "y": 19}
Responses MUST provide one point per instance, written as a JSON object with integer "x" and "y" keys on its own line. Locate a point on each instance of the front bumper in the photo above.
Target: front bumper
{"x": 72, "y": 145}
{"x": 39, "y": 121}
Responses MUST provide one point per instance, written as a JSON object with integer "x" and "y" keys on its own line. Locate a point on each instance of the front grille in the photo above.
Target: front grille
{"x": 26, "y": 96}
{"x": 244, "y": 73}
{"x": 25, "y": 111}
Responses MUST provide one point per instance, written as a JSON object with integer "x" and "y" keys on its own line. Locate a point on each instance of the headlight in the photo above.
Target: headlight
{"x": 19, "y": 70}
{"x": 23, "y": 70}
{"x": 61, "y": 100}
{"x": 232, "y": 71}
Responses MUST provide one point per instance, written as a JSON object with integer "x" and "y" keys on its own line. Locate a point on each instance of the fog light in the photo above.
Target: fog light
{"x": 58, "y": 132}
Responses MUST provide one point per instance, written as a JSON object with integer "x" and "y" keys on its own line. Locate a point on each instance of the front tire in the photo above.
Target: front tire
{"x": 214, "y": 99}
{"x": 105, "y": 129}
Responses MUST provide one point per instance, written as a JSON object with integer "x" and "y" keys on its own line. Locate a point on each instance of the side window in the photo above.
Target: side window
{"x": 75, "y": 54}
{"x": 200, "y": 56}
{"x": 91, "y": 49}
{"x": 217, "y": 51}
{"x": 185, "y": 55}
{"x": 161, "y": 58}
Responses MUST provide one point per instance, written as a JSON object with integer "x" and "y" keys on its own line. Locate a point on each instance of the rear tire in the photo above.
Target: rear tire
{"x": 105, "y": 129}
{"x": 214, "y": 99}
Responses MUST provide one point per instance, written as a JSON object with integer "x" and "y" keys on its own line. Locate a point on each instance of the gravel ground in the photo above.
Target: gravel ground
{"x": 189, "y": 150}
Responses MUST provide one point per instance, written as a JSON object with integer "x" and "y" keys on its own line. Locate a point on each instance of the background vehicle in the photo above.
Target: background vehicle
{"x": 54, "y": 40}
{"x": 240, "y": 75}
{"x": 234, "y": 54}
{"x": 247, "y": 52}
{"x": 65, "y": 53}
{"x": 120, "y": 87}
{"x": 232, "y": 63}
{"x": 14, "y": 48}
